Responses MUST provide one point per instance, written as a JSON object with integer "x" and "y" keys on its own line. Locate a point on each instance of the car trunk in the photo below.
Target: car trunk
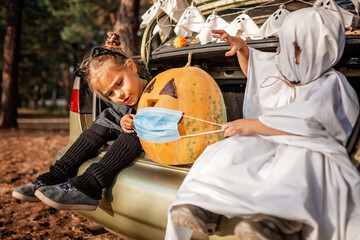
{"x": 137, "y": 202}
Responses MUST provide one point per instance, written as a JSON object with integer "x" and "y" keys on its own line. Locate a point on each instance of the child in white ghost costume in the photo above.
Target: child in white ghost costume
{"x": 286, "y": 159}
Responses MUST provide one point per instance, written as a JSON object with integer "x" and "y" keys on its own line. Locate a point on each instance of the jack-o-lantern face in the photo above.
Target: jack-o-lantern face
{"x": 196, "y": 94}
{"x": 169, "y": 88}
{"x": 166, "y": 92}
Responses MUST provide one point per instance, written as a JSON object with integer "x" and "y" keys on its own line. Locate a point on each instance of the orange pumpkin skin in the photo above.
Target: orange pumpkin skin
{"x": 179, "y": 42}
{"x": 196, "y": 94}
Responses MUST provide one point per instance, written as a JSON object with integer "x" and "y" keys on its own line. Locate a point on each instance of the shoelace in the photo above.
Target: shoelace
{"x": 38, "y": 183}
{"x": 67, "y": 186}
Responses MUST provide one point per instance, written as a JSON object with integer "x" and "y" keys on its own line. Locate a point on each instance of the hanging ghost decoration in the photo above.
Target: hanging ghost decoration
{"x": 163, "y": 26}
{"x": 174, "y": 8}
{"x": 357, "y": 5}
{"x": 150, "y": 14}
{"x": 273, "y": 23}
{"x": 331, "y": 4}
{"x": 244, "y": 23}
{"x": 191, "y": 21}
{"x": 213, "y": 22}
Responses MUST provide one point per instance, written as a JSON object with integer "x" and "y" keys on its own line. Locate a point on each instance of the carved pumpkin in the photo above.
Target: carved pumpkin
{"x": 195, "y": 93}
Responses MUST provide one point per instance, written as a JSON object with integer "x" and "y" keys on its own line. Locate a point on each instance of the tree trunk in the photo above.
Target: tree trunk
{"x": 127, "y": 25}
{"x": 8, "y": 111}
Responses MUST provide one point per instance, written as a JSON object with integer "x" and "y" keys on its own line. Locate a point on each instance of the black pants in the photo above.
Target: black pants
{"x": 121, "y": 153}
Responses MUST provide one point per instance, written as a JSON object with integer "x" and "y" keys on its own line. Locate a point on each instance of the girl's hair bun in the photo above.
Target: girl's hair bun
{"x": 113, "y": 40}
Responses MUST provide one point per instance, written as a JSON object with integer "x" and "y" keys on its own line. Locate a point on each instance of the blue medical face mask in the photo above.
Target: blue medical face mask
{"x": 160, "y": 125}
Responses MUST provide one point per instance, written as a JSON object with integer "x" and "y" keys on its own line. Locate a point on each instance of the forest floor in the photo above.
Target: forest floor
{"x": 24, "y": 154}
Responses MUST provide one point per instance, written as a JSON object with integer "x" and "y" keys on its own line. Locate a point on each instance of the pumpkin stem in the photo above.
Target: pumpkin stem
{"x": 189, "y": 59}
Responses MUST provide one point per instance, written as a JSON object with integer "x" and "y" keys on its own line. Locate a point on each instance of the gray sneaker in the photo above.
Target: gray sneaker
{"x": 66, "y": 197}
{"x": 252, "y": 230}
{"x": 268, "y": 228}
{"x": 26, "y": 192}
{"x": 195, "y": 218}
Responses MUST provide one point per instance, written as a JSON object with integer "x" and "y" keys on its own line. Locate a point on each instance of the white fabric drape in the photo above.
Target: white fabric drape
{"x": 307, "y": 178}
{"x": 273, "y": 23}
{"x": 346, "y": 16}
{"x": 191, "y": 21}
{"x": 174, "y": 8}
{"x": 150, "y": 14}
{"x": 244, "y": 23}
{"x": 321, "y": 45}
{"x": 163, "y": 26}
{"x": 212, "y": 22}
{"x": 357, "y": 5}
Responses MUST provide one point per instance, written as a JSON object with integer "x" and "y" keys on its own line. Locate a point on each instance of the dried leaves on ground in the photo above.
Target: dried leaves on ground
{"x": 24, "y": 154}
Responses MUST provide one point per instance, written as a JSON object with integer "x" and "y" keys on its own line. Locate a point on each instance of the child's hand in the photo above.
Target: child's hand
{"x": 127, "y": 123}
{"x": 236, "y": 43}
{"x": 247, "y": 127}
{"x": 242, "y": 127}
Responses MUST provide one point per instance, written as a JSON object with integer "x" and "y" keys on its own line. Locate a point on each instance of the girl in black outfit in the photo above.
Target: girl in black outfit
{"x": 116, "y": 78}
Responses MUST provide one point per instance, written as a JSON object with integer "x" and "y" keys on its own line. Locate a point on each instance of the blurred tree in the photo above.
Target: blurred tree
{"x": 8, "y": 110}
{"x": 127, "y": 24}
{"x": 55, "y": 37}
{"x": 3, "y": 23}
{"x": 83, "y": 25}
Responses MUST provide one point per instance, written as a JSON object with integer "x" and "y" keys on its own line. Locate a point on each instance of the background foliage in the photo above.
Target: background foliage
{"x": 55, "y": 37}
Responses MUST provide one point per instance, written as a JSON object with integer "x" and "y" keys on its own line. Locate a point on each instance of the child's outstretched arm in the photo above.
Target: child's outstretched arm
{"x": 237, "y": 45}
{"x": 247, "y": 127}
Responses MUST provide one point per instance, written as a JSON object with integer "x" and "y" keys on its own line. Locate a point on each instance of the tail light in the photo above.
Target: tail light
{"x": 74, "y": 105}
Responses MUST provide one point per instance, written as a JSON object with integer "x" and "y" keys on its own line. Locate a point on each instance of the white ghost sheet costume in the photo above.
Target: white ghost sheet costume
{"x": 213, "y": 22}
{"x": 244, "y": 23}
{"x": 191, "y": 21}
{"x": 273, "y": 23}
{"x": 174, "y": 8}
{"x": 307, "y": 178}
{"x": 331, "y": 4}
{"x": 150, "y": 14}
